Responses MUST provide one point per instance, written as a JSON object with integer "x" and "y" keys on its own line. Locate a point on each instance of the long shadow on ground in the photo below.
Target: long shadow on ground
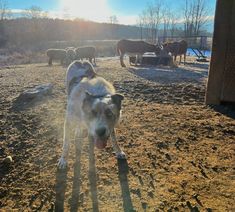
{"x": 92, "y": 176}
{"x": 167, "y": 76}
{"x": 227, "y": 109}
{"x": 76, "y": 179}
{"x": 61, "y": 184}
{"x": 76, "y": 198}
{"x": 123, "y": 170}
{"x": 174, "y": 93}
{"x": 165, "y": 86}
{"x": 199, "y": 65}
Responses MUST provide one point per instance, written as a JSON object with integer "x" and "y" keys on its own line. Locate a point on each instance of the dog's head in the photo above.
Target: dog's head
{"x": 101, "y": 115}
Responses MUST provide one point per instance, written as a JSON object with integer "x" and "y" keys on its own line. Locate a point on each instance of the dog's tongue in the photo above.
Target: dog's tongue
{"x": 100, "y": 144}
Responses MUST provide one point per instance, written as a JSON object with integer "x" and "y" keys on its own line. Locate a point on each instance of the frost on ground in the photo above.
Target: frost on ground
{"x": 180, "y": 152}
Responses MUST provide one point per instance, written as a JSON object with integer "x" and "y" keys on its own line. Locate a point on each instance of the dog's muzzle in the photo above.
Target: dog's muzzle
{"x": 100, "y": 143}
{"x": 101, "y": 138}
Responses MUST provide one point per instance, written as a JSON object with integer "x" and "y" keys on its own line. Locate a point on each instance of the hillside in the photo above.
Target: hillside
{"x": 25, "y": 32}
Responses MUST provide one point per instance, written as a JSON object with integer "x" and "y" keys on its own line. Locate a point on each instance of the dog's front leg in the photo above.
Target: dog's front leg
{"x": 119, "y": 153}
{"x": 79, "y": 136}
{"x": 69, "y": 127}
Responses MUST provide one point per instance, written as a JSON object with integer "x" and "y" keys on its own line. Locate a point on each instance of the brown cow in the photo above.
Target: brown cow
{"x": 176, "y": 48}
{"x": 87, "y": 52}
{"x": 135, "y": 48}
{"x": 56, "y": 54}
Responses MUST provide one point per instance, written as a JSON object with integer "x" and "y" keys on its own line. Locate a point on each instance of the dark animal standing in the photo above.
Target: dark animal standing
{"x": 70, "y": 55}
{"x": 87, "y": 52}
{"x": 135, "y": 48}
{"x": 56, "y": 54}
{"x": 176, "y": 48}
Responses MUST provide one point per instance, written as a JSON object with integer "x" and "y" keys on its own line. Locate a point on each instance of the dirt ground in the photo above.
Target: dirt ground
{"x": 180, "y": 152}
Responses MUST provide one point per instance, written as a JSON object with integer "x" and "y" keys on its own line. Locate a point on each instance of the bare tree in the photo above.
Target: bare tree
{"x": 195, "y": 16}
{"x": 173, "y": 23}
{"x": 140, "y": 24}
{"x": 151, "y": 18}
{"x": 35, "y": 12}
{"x": 3, "y": 8}
{"x": 187, "y": 18}
{"x": 113, "y": 19}
{"x": 201, "y": 15}
{"x": 166, "y": 18}
{"x": 5, "y": 12}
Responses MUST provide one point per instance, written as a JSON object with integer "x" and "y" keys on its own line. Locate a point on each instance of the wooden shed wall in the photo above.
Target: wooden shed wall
{"x": 221, "y": 80}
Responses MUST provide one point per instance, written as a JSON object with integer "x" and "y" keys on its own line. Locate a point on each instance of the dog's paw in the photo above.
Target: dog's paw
{"x": 121, "y": 155}
{"x": 62, "y": 164}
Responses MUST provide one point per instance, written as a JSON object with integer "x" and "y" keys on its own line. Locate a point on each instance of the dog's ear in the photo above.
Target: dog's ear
{"x": 117, "y": 100}
{"x": 90, "y": 71}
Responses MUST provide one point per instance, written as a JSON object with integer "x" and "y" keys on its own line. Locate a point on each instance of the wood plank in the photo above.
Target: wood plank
{"x": 219, "y": 48}
{"x": 228, "y": 90}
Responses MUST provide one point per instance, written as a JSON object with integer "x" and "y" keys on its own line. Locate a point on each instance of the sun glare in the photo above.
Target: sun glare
{"x": 96, "y": 10}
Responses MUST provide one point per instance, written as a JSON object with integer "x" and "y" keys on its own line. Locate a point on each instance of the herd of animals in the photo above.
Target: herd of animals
{"x": 130, "y": 47}
{"x": 68, "y": 55}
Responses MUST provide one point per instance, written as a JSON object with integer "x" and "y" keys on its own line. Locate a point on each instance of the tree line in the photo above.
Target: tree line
{"x": 157, "y": 17}
{"x": 34, "y": 26}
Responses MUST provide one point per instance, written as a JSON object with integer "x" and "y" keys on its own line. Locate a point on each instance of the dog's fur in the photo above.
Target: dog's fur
{"x": 92, "y": 105}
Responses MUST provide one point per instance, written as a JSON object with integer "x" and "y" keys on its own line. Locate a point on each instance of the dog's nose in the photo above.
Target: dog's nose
{"x": 101, "y": 131}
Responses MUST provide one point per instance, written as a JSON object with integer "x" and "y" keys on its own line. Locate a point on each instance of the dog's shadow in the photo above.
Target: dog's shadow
{"x": 77, "y": 198}
{"x": 123, "y": 170}
{"x": 60, "y": 187}
{"x": 92, "y": 176}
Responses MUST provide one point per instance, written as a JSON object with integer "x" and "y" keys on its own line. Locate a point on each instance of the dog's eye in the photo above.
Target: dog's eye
{"x": 109, "y": 113}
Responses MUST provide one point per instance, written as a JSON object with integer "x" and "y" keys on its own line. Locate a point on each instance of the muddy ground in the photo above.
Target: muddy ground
{"x": 180, "y": 152}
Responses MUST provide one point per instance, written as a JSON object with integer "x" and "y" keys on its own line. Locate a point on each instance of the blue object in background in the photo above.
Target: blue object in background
{"x": 190, "y": 52}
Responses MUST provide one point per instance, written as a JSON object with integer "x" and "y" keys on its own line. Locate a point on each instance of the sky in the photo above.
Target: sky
{"x": 126, "y": 11}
